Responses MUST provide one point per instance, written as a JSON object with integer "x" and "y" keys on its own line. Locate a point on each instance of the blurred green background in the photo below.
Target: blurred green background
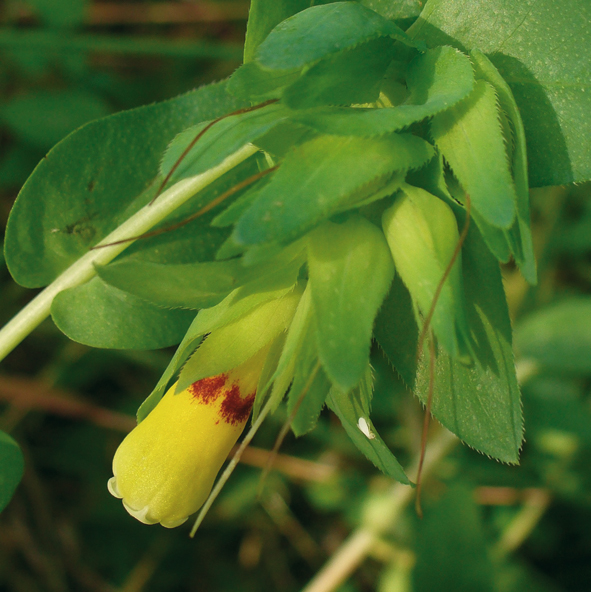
{"x": 486, "y": 526}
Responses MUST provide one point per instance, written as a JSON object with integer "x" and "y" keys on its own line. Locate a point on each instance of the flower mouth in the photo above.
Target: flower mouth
{"x": 143, "y": 514}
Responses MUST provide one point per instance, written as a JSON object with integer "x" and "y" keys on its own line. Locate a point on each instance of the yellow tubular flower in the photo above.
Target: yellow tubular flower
{"x": 165, "y": 468}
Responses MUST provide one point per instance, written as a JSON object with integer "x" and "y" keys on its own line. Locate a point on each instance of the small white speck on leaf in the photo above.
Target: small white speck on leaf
{"x": 364, "y": 427}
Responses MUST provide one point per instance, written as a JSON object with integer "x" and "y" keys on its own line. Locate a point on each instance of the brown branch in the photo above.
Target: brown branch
{"x": 29, "y": 394}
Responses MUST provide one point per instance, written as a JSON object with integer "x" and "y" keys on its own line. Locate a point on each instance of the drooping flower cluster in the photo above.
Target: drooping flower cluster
{"x": 165, "y": 468}
{"x": 354, "y": 226}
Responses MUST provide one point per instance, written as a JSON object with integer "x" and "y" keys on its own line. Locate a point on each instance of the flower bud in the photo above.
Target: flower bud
{"x": 165, "y": 468}
{"x": 422, "y": 233}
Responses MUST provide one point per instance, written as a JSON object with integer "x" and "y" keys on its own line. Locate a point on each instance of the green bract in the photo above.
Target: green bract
{"x": 329, "y": 180}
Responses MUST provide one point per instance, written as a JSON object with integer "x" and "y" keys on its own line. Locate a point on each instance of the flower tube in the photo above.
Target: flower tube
{"x": 165, "y": 468}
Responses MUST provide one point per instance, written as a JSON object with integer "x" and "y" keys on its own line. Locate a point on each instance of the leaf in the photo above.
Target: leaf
{"x": 222, "y": 139}
{"x": 558, "y": 336}
{"x": 233, "y": 344}
{"x": 267, "y": 377}
{"x": 352, "y": 76}
{"x": 451, "y": 546}
{"x": 480, "y": 403}
{"x": 400, "y": 11}
{"x": 196, "y": 241}
{"x": 99, "y": 315}
{"x": 321, "y": 31}
{"x": 232, "y": 213}
{"x": 520, "y": 233}
{"x": 284, "y": 372}
{"x": 310, "y": 386}
{"x": 497, "y": 239}
{"x": 396, "y": 331}
{"x": 11, "y": 468}
{"x": 94, "y": 179}
{"x": 317, "y": 176}
{"x": 350, "y": 269}
{"x": 541, "y": 48}
{"x": 436, "y": 80}
{"x": 197, "y": 285}
{"x": 470, "y": 138}
{"x": 264, "y": 15}
{"x": 352, "y": 407}
{"x": 188, "y": 345}
{"x": 260, "y": 283}
{"x": 254, "y": 84}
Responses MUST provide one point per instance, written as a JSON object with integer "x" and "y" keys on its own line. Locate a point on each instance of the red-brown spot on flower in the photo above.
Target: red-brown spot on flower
{"x": 207, "y": 390}
{"x": 236, "y": 409}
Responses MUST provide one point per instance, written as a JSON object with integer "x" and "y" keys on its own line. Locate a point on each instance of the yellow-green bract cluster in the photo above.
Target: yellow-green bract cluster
{"x": 268, "y": 341}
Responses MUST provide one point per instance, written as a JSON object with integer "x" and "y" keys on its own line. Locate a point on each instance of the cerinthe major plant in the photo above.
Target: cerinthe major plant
{"x": 329, "y": 218}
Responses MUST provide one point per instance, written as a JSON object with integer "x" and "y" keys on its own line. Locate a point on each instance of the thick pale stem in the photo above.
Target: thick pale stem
{"x": 359, "y": 544}
{"x": 83, "y": 270}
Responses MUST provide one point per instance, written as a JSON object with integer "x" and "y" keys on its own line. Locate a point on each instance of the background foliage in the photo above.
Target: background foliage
{"x": 487, "y": 526}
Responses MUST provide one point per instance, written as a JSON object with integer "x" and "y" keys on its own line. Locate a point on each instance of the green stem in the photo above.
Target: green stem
{"x": 83, "y": 270}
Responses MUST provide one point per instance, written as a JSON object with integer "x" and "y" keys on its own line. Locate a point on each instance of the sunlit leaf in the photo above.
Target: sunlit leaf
{"x": 351, "y": 270}
{"x": 317, "y": 176}
{"x": 541, "y": 48}
{"x": 353, "y": 407}
{"x": 469, "y": 136}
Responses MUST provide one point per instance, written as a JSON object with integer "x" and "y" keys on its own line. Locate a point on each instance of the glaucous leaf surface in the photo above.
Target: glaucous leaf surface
{"x": 542, "y": 49}
{"x": 350, "y": 270}
{"x": 519, "y": 235}
{"x": 470, "y": 138}
{"x": 317, "y": 176}
{"x": 321, "y": 31}
{"x": 222, "y": 139}
{"x": 480, "y": 403}
{"x": 436, "y": 80}
{"x": 100, "y": 315}
{"x": 96, "y": 178}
